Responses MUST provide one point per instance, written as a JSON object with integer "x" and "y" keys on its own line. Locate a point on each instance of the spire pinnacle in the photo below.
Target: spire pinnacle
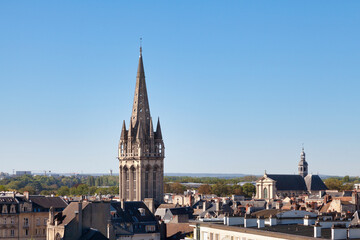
{"x": 123, "y": 131}
{"x": 158, "y": 130}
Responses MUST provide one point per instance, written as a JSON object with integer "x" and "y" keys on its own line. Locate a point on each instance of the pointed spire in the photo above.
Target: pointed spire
{"x": 158, "y": 130}
{"x": 130, "y": 130}
{"x": 123, "y": 131}
{"x": 151, "y": 129}
{"x": 141, "y": 109}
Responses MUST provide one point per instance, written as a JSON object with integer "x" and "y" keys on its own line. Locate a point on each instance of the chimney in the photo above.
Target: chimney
{"x": 26, "y": 194}
{"x": 122, "y": 204}
{"x": 260, "y": 222}
{"x": 217, "y": 206}
{"x": 204, "y": 205}
{"x": 317, "y": 230}
{"x": 51, "y": 216}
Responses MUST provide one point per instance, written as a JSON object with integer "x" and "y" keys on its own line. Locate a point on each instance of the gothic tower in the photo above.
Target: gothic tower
{"x": 141, "y": 149}
{"x": 303, "y": 165}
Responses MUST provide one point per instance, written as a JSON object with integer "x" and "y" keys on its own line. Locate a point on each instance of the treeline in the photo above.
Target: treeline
{"x": 69, "y": 186}
{"x": 341, "y": 183}
{"x": 219, "y": 189}
{"x": 209, "y": 180}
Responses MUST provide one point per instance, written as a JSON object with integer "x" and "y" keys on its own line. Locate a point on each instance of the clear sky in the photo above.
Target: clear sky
{"x": 238, "y": 85}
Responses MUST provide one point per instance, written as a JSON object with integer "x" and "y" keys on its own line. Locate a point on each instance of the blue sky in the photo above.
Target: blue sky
{"x": 238, "y": 85}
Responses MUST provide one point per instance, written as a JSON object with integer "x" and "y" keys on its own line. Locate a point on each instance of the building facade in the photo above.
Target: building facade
{"x": 141, "y": 149}
{"x": 25, "y": 216}
{"x": 274, "y": 186}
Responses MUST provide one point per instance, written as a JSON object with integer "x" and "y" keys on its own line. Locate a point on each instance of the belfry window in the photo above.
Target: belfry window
{"x": 154, "y": 183}
{"x": 134, "y": 182}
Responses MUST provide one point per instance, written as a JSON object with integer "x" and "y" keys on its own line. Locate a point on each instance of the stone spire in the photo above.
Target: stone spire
{"x": 140, "y": 110}
{"x": 123, "y": 131}
{"x": 158, "y": 130}
{"x": 303, "y": 165}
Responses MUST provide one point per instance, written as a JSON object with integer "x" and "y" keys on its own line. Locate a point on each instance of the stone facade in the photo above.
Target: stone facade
{"x": 141, "y": 150}
{"x": 273, "y": 186}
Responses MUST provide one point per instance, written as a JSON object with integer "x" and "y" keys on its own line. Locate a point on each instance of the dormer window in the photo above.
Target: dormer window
{"x": 142, "y": 211}
{"x": 4, "y": 209}
{"x": 12, "y": 209}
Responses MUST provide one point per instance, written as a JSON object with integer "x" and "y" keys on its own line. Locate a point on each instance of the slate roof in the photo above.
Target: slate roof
{"x": 314, "y": 183}
{"x": 131, "y": 214}
{"x": 93, "y": 234}
{"x": 47, "y": 202}
{"x": 68, "y": 214}
{"x": 288, "y": 182}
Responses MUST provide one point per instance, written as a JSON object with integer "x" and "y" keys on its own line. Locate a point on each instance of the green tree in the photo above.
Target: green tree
{"x": 177, "y": 188}
{"x": 220, "y": 189}
{"x": 333, "y": 183}
{"x": 249, "y": 189}
{"x": 63, "y": 191}
{"x": 346, "y": 179}
{"x": 237, "y": 190}
{"x": 204, "y": 189}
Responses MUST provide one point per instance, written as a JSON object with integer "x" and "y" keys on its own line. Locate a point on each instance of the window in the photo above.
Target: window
{"x": 26, "y": 232}
{"x": 4, "y": 220}
{"x": 12, "y": 209}
{"x": 265, "y": 193}
{"x": 154, "y": 182}
{"x": 37, "y": 221}
{"x": 4, "y": 210}
{"x": 147, "y": 182}
{"x": 12, "y": 220}
{"x": 142, "y": 211}
{"x": 26, "y": 222}
{"x": 134, "y": 182}
{"x": 12, "y": 232}
{"x": 150, "y": 228}
{"x": 127, "y": 183}
{"x": 45, "y": 221}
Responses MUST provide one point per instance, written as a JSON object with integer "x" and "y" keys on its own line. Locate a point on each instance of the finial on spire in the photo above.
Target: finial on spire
{"x": 140, "y": 46}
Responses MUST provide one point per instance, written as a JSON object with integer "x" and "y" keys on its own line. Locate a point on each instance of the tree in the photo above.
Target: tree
{"x": 333, "y": 183}
{"x": 249, "y": 189}
{"x": 220, "y": 189}
{"x": 237, "y": 190}
{"x": 346, "y": 179}
{"x": 63, "y": 191}
{"x": 177, "y": 188}
{"x": 204, "y": 189}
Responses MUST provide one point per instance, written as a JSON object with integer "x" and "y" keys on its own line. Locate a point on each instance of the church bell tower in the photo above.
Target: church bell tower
{"x": 303, "y": 165}
{"x": 141, "y": 149}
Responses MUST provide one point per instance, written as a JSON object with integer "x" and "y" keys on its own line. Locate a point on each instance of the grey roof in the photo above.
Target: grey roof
{"x": 47, "y": 202}
{"x": 314, "y": 183}
{"x": 288, "y": 182}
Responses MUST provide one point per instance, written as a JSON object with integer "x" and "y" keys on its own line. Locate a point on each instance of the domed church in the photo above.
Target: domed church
{"x": 274, "y": 186}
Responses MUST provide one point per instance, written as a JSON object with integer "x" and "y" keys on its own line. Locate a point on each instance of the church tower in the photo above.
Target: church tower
{"x": 303, "y": 165}
{"x": 141, "y": 149}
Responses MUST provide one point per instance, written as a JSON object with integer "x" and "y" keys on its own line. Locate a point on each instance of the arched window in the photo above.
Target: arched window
{"x": 134, "y": 181}
{"x": 154, "y": 181}
{"x": 265, "y": 193}
{"x": 147, "y": 170}
{"x": 127, "y": 183}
